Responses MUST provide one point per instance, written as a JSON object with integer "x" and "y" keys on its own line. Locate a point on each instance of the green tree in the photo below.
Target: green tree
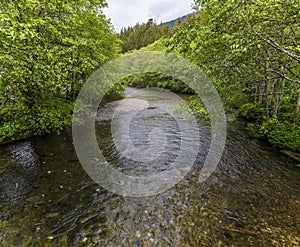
{"x": 251, "y": 50}
{"x": 142, "y": 35}
{"x": 48, "y": 49}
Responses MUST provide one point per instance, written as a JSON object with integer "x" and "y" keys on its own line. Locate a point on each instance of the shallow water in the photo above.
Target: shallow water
{"x": 47, "y": 199}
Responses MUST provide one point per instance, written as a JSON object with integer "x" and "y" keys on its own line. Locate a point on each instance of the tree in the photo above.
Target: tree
{"x": 249, "y": 45}
{"x": 251, "y": 51}
{"x": 48, "y": 49}
{"x": 142, "y": 35}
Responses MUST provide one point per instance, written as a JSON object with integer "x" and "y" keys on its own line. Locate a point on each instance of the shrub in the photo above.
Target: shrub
{"x": 286, "y": 135}
{"x": 252, "y": 112}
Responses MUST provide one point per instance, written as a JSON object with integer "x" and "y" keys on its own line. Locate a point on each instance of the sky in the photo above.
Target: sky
{"x": 124, "y": 13}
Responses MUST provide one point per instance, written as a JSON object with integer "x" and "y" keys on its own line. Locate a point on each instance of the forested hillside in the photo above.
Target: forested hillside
{"x": 175, "y": 21}
{"x": 142, "y": 35}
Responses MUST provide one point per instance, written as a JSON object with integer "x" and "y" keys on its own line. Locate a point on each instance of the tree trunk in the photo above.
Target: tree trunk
{"x": 256, "y": 94}
{"x": 279, "y": 97}
{"x": 296, "y": 119}
{"x": 270, "y": 95}
{"x": 269, "y": 88}
{"x": 261, "y": 91}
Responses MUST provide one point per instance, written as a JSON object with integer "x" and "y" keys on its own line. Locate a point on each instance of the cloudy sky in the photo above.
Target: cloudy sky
{"x": 124, "y": 13}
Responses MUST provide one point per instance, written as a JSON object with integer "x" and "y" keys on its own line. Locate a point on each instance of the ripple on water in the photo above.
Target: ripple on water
{"x": 252, "y": 199}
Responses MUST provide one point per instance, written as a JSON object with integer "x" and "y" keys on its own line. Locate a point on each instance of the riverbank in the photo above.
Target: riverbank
{"x": 254, "y": 133}
{"x": 16, "y": 125}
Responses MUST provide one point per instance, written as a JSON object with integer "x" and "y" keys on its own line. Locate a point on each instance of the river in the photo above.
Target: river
{"x": 47, "y": 198}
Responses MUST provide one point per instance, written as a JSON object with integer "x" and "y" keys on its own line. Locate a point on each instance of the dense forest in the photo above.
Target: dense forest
{"x": 142, "y": 35}
{"x": 250, "y": 50}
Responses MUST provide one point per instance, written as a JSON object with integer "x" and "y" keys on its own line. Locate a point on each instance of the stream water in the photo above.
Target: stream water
{"x": 47, "y": 199}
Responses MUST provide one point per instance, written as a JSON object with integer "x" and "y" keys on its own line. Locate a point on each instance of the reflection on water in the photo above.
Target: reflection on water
{"x": 19, "y": 171}
{"x": 47, "y": 199}
{"x": 24, "y": 155}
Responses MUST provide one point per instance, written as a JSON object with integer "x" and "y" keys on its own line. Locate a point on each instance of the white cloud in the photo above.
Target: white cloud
{"x": 124, "y": 13}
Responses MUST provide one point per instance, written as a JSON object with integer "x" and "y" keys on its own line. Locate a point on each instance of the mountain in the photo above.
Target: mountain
{"x": 172, "y": 22}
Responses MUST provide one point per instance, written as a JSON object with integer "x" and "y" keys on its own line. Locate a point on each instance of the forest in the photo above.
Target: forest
{"x": 250, "y": 50}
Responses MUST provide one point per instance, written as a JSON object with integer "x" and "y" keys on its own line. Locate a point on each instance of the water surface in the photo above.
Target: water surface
{"x": 47, "y": 199}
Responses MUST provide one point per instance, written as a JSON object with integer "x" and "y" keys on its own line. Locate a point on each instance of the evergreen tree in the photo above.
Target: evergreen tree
{"x": 141, "y": 35}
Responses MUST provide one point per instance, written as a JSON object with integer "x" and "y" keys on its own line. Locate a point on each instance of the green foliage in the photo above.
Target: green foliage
{"x": 142, "y": 35}
{"x": 148, "y": 80}
{"x": 287, "y": 110}
{"x": 250, "y": 51}
{"x": 159, "y": 45}
{"x": 48, "y": 49}
{"x": 196, "y": 108}
{"x": 286, "y": 135}
{"x": 252, "y": 112}
{"x": 20, "y": 123}
{"x": 14, "y": 125}
{"x": 54, "y": 115}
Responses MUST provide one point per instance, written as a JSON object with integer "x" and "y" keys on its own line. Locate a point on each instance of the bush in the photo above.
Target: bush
{"x": 21, "y": 123}
{"x": 14, "y": 124}
{"x": 252, "y": 112}
{"x": 53, "y": 116}
{"x": 196, "y": 108}
{"x": 148, "y": 80}
{"x": 285, "y": 135}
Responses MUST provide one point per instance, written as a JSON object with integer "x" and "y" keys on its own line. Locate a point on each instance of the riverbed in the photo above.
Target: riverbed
{"x": 47, "y": 198}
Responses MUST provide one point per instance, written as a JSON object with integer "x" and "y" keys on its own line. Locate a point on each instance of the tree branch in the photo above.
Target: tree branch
{"x": 275, "y": 45}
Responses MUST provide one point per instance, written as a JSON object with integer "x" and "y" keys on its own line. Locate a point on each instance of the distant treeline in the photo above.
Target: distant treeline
{"x": 142, "y": 35}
